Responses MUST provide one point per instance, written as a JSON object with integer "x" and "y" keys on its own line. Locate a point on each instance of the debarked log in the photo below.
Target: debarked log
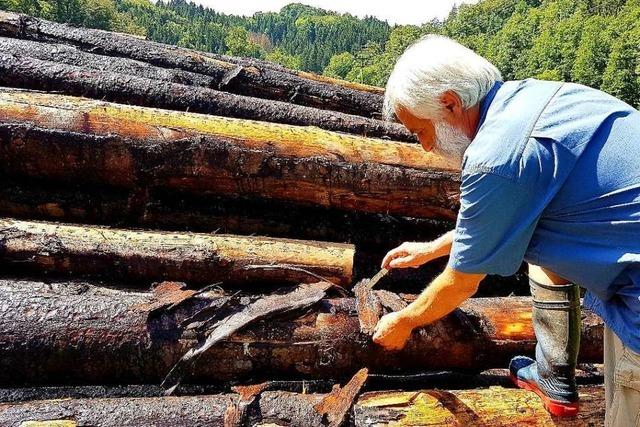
{"x": 494, "y": 406}
{"x": 76, "y": 333}
{"x": 19, "y": 70}
{"x": 147, "y": 256}
{"x": 81, "y": 140}
{"x": 252, "y": 80}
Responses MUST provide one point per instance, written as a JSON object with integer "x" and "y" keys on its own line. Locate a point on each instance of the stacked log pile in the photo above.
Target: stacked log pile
{"x": 178, "y": 222}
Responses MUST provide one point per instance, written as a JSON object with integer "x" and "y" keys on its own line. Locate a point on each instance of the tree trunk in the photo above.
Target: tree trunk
{"x": 76, "y": 333}
{"x": 272, "y": 406}
{"x": 79, "y": 140}
{"x": 25, "y": 72}
{"x": 179, "y": 211}
{"x": 494, "y": 406}
{"x": 254, "y": 80}
{"x": 147, "y": 256}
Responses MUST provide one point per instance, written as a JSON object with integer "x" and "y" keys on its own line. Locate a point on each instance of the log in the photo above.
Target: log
{"x": 260, "y": 63}
{"x": 493, "y": 406}
{"x": 260, "y": 82}
{"x": 179, "y": 211}
{"x": 80, "y": 140}
{"x": 147, "y": 256}
{"x": 102, "y": 83}
{"x": 272, "y": 407}
{"x": 77, "y": 333}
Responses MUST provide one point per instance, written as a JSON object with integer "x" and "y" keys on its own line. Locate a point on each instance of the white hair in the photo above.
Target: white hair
{"x": 432, "y": 66}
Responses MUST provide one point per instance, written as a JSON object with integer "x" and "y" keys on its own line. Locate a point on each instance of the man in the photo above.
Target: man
{"x": 550, "y": 175}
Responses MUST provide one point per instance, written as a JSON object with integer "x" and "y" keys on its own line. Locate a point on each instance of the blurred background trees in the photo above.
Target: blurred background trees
{"x": 594, "y": 42}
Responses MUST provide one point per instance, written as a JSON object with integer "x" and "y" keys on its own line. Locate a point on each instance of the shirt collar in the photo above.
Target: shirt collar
{"x": 486, "y": 102}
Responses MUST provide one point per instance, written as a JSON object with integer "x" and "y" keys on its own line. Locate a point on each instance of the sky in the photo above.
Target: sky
{"x": 394, "y": 11}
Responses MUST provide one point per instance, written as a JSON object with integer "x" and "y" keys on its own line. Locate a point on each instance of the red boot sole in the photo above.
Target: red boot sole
{"x": 559, "y": 409}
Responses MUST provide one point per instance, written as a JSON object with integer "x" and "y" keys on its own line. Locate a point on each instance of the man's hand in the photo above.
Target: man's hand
{"x": 414, "y": 254}
{"x": 408, "y": 254}
{"x": 392, "y": 331}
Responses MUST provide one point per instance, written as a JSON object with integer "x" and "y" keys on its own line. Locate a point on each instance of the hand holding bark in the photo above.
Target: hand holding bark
{"x": 392, "y": 331}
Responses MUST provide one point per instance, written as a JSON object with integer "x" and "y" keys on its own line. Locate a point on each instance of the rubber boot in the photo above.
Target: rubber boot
{"x": 556, "y": 323}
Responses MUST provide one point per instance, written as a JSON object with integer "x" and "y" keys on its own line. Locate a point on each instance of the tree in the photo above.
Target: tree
{"x": 340, "y": 65}
{"x": 238, "y": 44}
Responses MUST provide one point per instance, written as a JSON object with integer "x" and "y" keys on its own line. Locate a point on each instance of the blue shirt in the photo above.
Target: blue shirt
{"x": 553, "y": 177}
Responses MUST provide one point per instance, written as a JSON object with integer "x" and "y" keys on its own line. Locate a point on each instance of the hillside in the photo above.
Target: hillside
{"x": 594, "y": 42}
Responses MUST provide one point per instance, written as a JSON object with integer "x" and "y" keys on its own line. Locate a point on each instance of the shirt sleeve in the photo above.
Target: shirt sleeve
{"x": 495, "y": 224}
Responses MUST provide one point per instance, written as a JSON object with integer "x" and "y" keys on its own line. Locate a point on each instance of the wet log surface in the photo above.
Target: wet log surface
{"x": 75, "y": 333}
{"x": 79, "y": 140}
{"x": 252, "y": 80}
{"x": 17, "y": 70}
{"x": 148, "y": 256}
{"x": 494, "y": 406}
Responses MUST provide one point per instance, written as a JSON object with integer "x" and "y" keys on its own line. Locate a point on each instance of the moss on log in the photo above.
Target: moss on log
{"x": 493, "y": 406}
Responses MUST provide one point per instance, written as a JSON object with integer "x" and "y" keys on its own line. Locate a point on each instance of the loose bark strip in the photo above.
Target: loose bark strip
{"x": 368, "y": 306}
{"x": 493, "y": 406}
{"x": 30, "y": 73}
{"x": 335, "y": 406}
{"x": 79, "y": 140}
{"x": 35, "y": 199}
{"x": 271, "y": 305}
{"x": 261, "y": 82}
{"x": 75, "y": 333}
{"x": 148, "y": 256}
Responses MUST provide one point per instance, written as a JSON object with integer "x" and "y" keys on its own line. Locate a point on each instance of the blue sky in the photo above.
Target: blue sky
{"x": 394, "y": 11}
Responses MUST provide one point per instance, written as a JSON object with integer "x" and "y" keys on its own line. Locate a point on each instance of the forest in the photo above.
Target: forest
{"x": 593, "y": 42}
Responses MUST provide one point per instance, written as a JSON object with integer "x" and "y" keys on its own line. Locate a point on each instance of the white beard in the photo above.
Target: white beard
{"x": 450, "y": 144}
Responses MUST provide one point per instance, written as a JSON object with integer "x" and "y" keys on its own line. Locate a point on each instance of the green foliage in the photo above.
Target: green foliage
{"x": 594, "y": 42}
{"x": 238, "y": 43}
{"x": 279, "y": 56}
{"x": 340, "y": 65}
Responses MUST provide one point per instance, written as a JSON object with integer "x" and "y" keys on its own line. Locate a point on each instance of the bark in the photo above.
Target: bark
{"x": 79, "y": 140}
{"x": 146, "y": 256}
{"x": 266, "y": 307}
{"x": 76, "y": 333}
{"x": 70, "y": 55}
{"x": 494, "y": 406}
{"x": 102, "y": 83}
{"x": 254, "y": 80}
{"x": 272, "y": 407}
{"x": 259, "y": 63}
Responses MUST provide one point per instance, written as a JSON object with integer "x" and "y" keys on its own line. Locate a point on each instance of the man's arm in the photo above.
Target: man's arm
{"x": 445, "y": 294}
{"x": 415, "y": 254}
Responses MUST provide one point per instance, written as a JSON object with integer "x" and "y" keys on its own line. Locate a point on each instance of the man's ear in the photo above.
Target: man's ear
{"x": 451, "y": 104}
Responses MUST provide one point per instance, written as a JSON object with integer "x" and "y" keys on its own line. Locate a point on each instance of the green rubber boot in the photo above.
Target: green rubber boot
{"x": 556, "y": 323}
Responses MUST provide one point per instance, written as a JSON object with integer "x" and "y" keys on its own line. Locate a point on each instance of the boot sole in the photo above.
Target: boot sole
{"x": 555, "y": 407}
